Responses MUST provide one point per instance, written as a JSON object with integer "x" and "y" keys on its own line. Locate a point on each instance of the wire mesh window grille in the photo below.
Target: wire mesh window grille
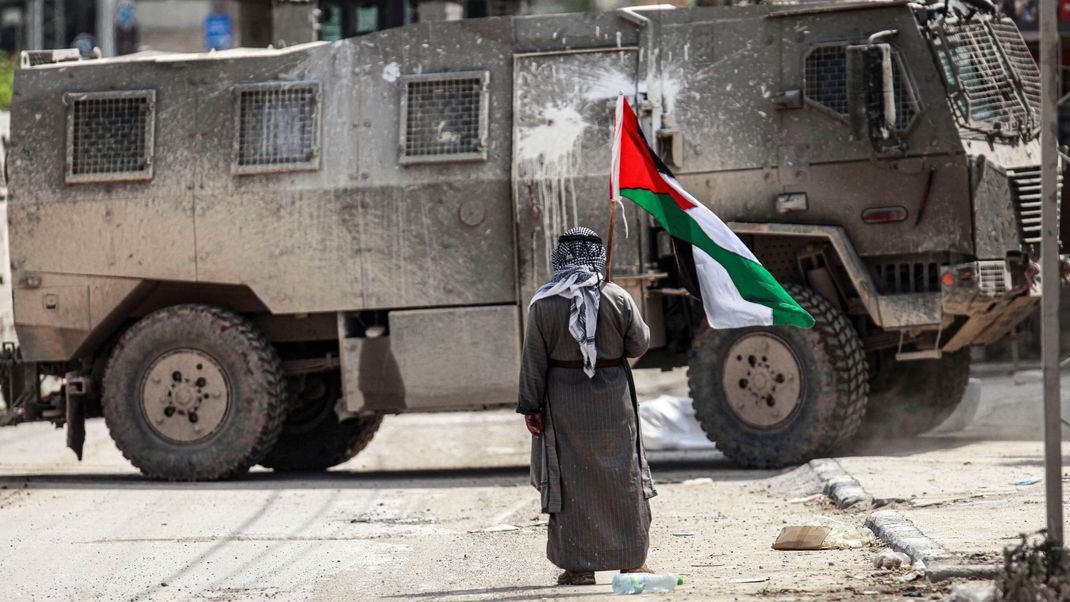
{"x": 444, "y": 117}
{"x": 825, "y": 79}
{"x": 110, "y": 136}
{"x": 277, "y": 127}
{"x": 905, "y": 104}
{"x": 982, "y": 63}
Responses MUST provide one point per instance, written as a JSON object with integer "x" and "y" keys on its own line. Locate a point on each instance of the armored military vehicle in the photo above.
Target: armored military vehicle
{"x": 251, "y": 256}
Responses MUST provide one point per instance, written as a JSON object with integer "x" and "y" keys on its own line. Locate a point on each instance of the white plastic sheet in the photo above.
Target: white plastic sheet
{"x": 669, "y": 422}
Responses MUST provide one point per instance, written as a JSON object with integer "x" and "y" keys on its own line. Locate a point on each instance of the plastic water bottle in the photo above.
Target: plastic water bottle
{"x": 642, "y": 583}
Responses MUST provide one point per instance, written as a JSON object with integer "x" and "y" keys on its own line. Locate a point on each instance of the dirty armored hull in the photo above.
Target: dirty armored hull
{"x": 380, "y": 209}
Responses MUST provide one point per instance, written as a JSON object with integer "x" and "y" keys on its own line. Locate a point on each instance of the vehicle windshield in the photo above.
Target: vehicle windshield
{"x": 992, "y": 79}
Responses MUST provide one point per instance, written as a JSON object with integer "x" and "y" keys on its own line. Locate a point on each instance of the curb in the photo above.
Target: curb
{"x": 902, "y": 536}
{"x": 941, "y": 572}
{"x": 894, "y": 529}
{"x": 837, "y": 484}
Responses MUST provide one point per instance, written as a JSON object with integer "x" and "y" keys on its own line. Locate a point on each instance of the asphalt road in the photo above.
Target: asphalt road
{"x": 437, "y": 507}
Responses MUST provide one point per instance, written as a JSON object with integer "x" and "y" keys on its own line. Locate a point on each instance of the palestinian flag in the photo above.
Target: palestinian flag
{"x": 736, "y": 290}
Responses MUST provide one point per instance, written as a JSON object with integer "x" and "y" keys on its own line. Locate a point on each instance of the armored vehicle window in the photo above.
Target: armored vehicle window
{"x": 444, "y": 117}
{"x": 110, "y": 135}
{"x": 825, "y": 79}
{"x": 982, "y": 61}
{"x": 277, "y": 127}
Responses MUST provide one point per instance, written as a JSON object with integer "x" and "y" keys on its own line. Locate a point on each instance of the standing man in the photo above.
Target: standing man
{"x": 576, "y": 393}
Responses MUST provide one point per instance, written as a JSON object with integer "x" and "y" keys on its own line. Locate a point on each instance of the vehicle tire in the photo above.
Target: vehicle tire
{"x": 780, "y": 395}
{"x": 192, "y": 393}
{"x": 313, "y": 438}
{"x": 909, "y": 398}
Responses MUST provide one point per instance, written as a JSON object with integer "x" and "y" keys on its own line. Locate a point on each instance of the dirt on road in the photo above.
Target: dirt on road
{"x": 438, "y": 507}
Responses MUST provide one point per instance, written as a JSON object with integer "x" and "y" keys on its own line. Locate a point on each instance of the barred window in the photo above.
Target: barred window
{"x": 444, "y": 117}
{"x": 825, "y": 83}
{"x": 110, "y": 135}
{"x": 990, "y": 73}
{"x": 277, "y": 127}
{"x": 826, "y": 77}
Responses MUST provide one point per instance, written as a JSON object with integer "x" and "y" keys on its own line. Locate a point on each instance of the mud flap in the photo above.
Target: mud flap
{"x": 78, "y": 387}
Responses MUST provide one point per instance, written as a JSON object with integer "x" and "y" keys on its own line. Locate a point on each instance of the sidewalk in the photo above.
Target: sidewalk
{"x": 961, "y": 494}
{"x": 972, "y": 491}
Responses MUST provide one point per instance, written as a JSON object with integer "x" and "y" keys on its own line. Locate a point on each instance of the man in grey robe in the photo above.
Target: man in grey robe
{"x": 576, "y": 392}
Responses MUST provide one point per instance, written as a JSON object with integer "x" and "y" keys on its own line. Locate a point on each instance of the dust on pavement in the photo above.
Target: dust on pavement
{"x": 407, "y": 518}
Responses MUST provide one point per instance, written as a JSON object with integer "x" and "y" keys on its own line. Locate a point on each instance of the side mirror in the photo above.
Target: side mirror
{"x": 871, "y": 92}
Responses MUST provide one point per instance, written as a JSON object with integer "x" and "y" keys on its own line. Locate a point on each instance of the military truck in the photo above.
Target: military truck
{"x": 251, "y": 256}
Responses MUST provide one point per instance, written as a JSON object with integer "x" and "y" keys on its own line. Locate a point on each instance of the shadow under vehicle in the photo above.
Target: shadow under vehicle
{"x": 250, "y": 256}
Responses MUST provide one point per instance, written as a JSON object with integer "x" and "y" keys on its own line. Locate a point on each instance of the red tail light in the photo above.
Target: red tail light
{"x": 884, "y": 215}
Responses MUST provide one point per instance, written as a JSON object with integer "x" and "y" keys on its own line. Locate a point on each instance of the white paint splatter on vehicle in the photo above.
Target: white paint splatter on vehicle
{"x": 605, "y": 83}
{"x": 391, "y": 72}
{"x": 550, "y": 147}
{"x": 547, "y": 155}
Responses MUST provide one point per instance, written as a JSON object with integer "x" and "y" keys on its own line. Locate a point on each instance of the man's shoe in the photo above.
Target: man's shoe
{"x": 576, "y": 578}
{"x": 639, "y": 569}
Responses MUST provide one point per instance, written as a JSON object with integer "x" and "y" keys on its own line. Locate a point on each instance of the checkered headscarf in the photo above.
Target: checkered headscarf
{"x": 579, "y": 246}
{"x": 578, "y": 261}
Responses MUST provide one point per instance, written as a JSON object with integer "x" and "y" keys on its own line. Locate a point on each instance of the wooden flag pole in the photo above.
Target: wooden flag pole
{"x": 609, "y": 248}
{"x": 614, "y": 181}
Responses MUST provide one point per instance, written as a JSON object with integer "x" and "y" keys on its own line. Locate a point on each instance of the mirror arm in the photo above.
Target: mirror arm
{"x": 887, "y": 33}
{"x": 888, "y": 77}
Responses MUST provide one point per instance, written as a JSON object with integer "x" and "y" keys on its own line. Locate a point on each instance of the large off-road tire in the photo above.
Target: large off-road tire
{"x": 313, "y": 438}
{"x": 193, "y": 393}
{"x": 775, "y": 396}
{"x": 909, "y": 398}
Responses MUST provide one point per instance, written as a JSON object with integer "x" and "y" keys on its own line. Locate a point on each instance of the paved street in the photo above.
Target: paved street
{"x": 439, "y": 507}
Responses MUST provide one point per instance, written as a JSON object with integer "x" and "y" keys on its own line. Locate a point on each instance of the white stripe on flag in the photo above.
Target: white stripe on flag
{"x": 711, "y": 224}
{"x": 725, "y": 307}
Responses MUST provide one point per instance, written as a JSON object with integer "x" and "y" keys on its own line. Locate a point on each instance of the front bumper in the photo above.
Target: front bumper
{"x": 993, "y": 295}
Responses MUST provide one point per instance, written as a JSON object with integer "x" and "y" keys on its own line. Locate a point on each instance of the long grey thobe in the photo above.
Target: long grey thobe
{"x": 588, "y": 465}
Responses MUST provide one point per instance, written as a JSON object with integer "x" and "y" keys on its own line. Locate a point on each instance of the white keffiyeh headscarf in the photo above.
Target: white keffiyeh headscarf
{"x": 578, "y": 262}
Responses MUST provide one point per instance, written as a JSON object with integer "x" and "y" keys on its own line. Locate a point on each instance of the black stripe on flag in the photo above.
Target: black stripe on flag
{"x": 685, "y": 257}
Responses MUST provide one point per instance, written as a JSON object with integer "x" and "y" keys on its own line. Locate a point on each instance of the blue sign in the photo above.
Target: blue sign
{"x": 218, "y": 31}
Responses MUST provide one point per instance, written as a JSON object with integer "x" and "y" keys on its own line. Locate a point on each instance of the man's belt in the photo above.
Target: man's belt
{"x": 578, "y": 364}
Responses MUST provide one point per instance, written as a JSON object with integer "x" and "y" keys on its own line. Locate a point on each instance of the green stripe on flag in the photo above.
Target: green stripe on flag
{"x": 754, "y": 282}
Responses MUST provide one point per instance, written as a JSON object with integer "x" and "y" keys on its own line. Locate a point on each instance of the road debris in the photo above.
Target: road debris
{"x": 809, "y": 498}
{"x": 848, "y": 539}
{"x": 1027, "y": 481}
{"x": 748, "y": 580}
{"x": 497, "y": 529}
{"x": 976, "y": 591}
{"x": 890, "y": 559}
{"x": 801, "y": 538}
{"x": 931, "y": 502}
{"x": 668, "y": 422}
